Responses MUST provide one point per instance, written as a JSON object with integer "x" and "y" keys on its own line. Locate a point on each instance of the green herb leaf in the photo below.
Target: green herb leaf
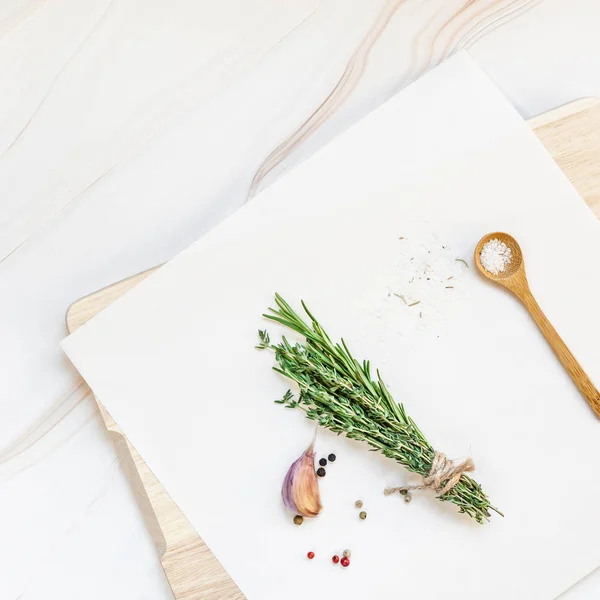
{"x": 265, "y": 341}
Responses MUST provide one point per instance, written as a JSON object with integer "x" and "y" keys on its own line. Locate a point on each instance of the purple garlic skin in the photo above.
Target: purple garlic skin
{"x": 300, "y": 490}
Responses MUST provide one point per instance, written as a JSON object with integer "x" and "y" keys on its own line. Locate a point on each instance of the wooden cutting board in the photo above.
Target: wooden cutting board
{"x": 570, "y": 133}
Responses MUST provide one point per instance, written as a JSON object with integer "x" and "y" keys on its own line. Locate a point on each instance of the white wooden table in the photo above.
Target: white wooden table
{"x": 127, "y": 129}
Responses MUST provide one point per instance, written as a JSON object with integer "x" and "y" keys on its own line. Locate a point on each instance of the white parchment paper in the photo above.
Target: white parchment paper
{"x": 174, "y": 361}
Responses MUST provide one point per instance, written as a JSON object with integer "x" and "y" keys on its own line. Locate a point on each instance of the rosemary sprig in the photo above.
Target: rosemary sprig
{"x": 339, "y": 393}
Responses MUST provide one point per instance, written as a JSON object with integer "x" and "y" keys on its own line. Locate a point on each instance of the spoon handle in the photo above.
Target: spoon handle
{"x": 569, "y": 362}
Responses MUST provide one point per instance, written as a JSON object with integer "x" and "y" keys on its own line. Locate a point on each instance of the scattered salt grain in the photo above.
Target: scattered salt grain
{"x": 411, "y": 296}
{"x": 495, "y": 256}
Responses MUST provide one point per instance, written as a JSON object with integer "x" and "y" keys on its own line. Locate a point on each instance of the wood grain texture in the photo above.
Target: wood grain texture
{"x": 514, "y": 278}
{"x": 572, "y": 136}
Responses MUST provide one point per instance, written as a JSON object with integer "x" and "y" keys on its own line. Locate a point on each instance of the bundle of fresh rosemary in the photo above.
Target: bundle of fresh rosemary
{"x": 339, "y": 393}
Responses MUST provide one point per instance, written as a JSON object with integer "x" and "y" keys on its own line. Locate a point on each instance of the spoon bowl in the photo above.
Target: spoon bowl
{"x": 513, "y": 278}
{"x": 516, "y": 266}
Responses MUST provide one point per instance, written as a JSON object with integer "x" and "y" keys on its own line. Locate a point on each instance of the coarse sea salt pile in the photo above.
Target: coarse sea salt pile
{"x": 495, "y": 256}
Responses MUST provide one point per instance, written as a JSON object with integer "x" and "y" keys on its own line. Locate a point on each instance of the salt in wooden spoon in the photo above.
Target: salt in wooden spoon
{"x": 514, "y": 278}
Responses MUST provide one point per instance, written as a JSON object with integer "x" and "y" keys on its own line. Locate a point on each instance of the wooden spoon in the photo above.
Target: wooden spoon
{"x": 514, "y": 278}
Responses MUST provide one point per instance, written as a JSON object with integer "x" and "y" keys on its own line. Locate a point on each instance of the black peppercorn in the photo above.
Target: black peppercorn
{"x": 321, "y": 472}
{"x": 331, "y": 458}
{"x": 323, "y": 462}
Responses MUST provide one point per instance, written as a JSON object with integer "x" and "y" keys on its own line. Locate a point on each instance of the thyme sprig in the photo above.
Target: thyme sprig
{"x": 341, "y": 394}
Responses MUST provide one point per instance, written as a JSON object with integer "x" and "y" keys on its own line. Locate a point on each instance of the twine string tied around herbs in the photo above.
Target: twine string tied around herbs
{"x": 442, "y": 470}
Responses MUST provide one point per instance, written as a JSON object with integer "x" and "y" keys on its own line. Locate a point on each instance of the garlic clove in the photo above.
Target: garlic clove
{"x": 300, "y": 489}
